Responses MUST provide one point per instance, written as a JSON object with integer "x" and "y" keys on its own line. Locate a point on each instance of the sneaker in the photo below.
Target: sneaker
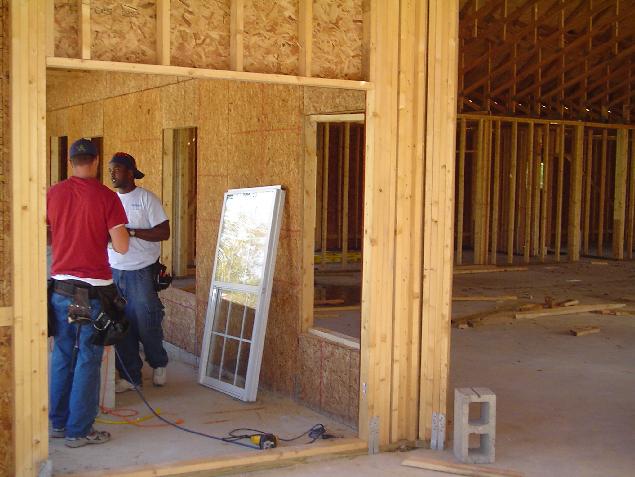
{"x": 56, "y": 433}
{"x": 123, "y": 385}
{"x": 95, "y": 437}
{"x": 160, "y": 376}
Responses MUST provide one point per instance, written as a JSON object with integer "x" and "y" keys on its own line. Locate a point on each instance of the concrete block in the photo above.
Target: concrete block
{"x": 482, "y": 424}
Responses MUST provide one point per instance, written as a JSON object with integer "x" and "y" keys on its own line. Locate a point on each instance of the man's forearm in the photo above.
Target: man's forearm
{"x": 157, "y": 233}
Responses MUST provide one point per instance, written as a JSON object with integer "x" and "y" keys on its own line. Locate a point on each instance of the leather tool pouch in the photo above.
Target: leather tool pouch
{"x": 111, "y": 326}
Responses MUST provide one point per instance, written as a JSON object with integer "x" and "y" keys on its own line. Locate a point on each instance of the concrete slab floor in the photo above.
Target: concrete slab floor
{"x": 200, "y": 408}
{"x": 566, "y": 405}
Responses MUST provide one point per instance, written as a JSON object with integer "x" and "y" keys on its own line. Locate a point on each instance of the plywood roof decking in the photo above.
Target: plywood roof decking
{"x": 569, "y": 59}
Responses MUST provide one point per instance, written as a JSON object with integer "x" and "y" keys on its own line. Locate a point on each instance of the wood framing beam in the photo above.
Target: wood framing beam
{"x": 325, "y": 191}
{"x": 167, "y": 194}
{"x": 377, "y": 312}
{"x": 93, "y": 65}
{"x": 236, "y": 35}
{"x": 630, "y": 230}
{"x": 560, "y": 190}
{"x": 28, "y": 235}
{"x": 409, "y": 220}
{"x": 619, "y": 201}
{"x": 85, "y": 35}
{"x": 240, "y": 462}
{"x": 50, "y": 27}
{"x": 305, "y": 36}
{"x": 478, "y": 196}
{"x": 496, "y": 193}
{"x": 511, "y": 211}
{"x": 440, "y": 138}
{"x": 575, "y": 195}
{"x": 602, "y": 199}
{"x": 588, "y": 178}
{"x": 546, "y": 184}
{"x": 461, "y": 192}
{"x": 528, "y": 186}
{"x": 309, "y": 210}
{"x": 163, "y": 32}
{"x": 345, "y": 190}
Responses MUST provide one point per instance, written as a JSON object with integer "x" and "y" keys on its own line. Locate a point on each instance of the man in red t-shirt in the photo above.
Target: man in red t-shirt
{"x": 83, "y": 215}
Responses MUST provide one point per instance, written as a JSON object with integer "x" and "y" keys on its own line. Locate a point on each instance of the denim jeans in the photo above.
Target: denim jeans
{"x": 74, "y": 390}
{"x": 145, "y": 312}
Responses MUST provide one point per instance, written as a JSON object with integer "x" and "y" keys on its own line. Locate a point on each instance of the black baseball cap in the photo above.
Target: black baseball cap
{"x": 83, "y": 147}
{"x": 127, "y": 160}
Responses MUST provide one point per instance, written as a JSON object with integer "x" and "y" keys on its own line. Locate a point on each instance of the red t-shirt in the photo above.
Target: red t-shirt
{"x": 80, "y": 212}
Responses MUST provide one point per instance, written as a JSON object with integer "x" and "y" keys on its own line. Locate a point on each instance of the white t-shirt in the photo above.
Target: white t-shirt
{"x": 144, "y": 211}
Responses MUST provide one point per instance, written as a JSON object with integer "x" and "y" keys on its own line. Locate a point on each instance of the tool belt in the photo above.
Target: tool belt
{"x": 110, "y": 326}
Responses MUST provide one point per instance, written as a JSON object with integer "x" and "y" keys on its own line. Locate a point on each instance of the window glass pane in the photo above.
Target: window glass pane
{"x": 242, "y": 246}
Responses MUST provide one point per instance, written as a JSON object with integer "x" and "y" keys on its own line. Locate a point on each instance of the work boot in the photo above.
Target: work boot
{"x": 160, "y": 376}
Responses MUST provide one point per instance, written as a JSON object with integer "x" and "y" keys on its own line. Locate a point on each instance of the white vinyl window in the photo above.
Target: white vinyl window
{"x": 240, "y": 291}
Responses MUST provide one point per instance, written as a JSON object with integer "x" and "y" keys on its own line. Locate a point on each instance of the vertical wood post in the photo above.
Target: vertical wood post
{"x": 631, "y": 201}
{"x": 619, "y": 201}
{"x": 560, "y": 192}
{"x": 478, "y": 202}
{"x": 461, "y": 193}
{"x": 575, "y": 194}
{"x": 512, "y": 194}
{"x": 236, "y": 32}
{"x": 345, "y": 187}
{"x": 496, "y": 193}
{"x": 587, "y": 192}
{"x": 528, "y": 181}
{"x": 305, "y": 36}
{"x": 602, "y": 200}
{"x": 309, "y": 222}
{"x": 28, "y": 234}
{"x": 85, "y": 35}
{"x": 163, "y": 32}
{"x": 438, "y": 217}
{"x": 546, "y": 158}
{"x": 167, "y": 194}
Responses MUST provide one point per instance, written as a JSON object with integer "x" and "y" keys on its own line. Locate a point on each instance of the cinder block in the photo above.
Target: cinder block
{"x": 483, "y": 425}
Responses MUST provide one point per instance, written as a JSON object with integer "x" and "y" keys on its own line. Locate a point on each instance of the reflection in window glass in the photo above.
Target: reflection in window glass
{"x": 242, "y": 245}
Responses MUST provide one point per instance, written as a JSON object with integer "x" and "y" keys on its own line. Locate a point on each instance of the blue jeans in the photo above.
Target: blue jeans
{"x": 145, "y": 312}
{"x": 74, "y": 390}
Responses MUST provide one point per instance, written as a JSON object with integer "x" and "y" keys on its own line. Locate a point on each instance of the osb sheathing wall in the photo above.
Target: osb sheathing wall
{"x": 6, "y": 354}
{"x": 248, "y": 135}
{"x": 200, "y": 34}
{"x": 329, "y": 378}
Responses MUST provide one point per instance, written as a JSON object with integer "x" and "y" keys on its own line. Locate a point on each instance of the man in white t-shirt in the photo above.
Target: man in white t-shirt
{"x": 133, "y": 273}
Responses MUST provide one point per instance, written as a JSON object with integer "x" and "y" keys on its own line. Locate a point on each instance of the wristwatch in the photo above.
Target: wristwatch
{"x": 132, "y": 232}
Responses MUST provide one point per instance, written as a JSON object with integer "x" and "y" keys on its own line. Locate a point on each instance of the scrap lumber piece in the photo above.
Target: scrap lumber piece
{"x": 584, "y": 330}
{"x": 567, "y": 310}
{"x": 495, "y": 319}
{"x": 459, "y": 320}
{"x": 334, "y": 301}
{"x": 568, "y": 303}
{"x": 459, "y": 469}
{"x": 485, "y": 298}
{"x": 338, "y": 308}
{"x": 467, "y": 271}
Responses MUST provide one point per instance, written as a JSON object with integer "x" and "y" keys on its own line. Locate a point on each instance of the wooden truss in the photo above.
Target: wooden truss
{"x": 567, "y": 59}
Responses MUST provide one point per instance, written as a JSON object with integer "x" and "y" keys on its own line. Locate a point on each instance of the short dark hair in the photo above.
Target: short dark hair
{"x": 82, "y": 159}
